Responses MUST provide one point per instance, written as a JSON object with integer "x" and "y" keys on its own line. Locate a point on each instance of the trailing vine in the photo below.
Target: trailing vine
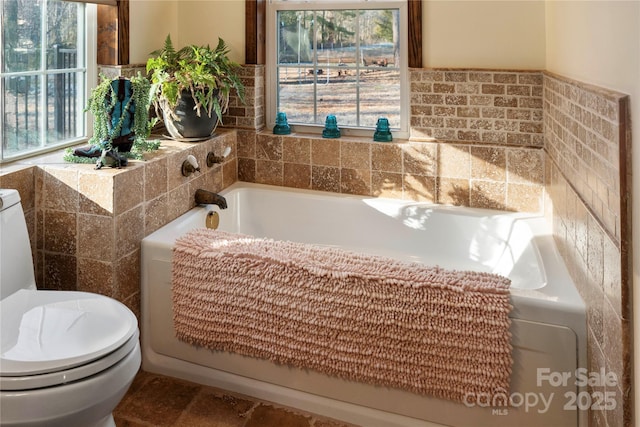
{"x": 102, "y": 101}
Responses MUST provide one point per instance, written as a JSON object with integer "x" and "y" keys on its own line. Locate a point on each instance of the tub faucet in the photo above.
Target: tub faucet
{"x": 204, "y": 197}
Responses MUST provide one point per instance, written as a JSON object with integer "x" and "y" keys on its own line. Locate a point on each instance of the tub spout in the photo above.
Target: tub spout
{"x": 204, "y": 197}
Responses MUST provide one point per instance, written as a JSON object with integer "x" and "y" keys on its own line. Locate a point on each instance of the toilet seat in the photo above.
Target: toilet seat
{"x": 54, "y": 337}
{"x": 31, "y": 382}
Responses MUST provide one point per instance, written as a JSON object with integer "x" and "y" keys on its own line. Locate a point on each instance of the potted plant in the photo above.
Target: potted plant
{"x": 121, "y": 125}
{"x": 192, "y": 87}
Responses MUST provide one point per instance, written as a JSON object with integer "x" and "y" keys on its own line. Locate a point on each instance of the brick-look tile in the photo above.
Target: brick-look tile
{"x": 493, "y": 89}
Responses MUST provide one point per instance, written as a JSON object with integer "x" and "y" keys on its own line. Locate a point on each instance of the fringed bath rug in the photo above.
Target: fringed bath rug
{"x": 360, "y": 317}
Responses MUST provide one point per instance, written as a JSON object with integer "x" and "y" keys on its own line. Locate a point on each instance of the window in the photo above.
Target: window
{"x": 343, "y": 58}
{"x": 43, "y": 75}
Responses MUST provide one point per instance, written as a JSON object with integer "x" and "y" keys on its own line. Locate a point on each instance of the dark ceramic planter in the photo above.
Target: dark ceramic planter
{"x": 189, "y": 125}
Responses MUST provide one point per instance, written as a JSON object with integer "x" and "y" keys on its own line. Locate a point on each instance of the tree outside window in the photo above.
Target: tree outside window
{"x": 42, "y": 75}
{"x": 345, "y": 62}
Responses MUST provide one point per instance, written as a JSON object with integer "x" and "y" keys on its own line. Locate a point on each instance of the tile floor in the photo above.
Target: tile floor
{"x": 156, "y": 400}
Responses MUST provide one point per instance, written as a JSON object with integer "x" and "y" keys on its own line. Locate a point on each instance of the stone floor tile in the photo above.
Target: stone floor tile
{"x": 160, "y": 401}
{"x": 269, "y": 416}
{"x": 210, "y": 409}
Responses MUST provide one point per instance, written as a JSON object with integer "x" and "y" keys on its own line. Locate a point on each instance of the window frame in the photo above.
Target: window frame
{"x": 88, "y": 53}
{"x": 271, "y": 54}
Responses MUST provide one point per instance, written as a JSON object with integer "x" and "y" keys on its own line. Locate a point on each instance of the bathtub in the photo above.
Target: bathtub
{"x": 548, "y": 316}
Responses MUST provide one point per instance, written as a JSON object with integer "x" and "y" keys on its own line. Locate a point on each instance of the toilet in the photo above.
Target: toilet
{"x": 66, "y": 358}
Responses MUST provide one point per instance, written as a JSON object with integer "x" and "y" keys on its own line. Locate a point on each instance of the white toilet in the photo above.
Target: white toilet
{"x": 66, "y": 358}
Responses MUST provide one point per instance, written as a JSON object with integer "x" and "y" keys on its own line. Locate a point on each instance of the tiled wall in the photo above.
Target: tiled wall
{"x": 477, "y": 106}
{"x": 87, "y": 224}
{"x": 251, "y": 114}
{"x": 588, "y": 185}
{"x": 488, "y": 176}
{"x": 476, "y": 140}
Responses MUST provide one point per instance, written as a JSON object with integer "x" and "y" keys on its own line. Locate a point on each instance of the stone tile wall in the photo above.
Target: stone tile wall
{"x": 475, "y": 140}
{"x": 86, "y": 225}
{"x": 587, "y": 142}
{"x": 487, "y": 176}
{"x": 251, "y": 114}
{"x": 477, "y": 106}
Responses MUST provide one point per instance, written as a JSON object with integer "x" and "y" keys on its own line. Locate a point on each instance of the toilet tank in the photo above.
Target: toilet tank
{"x": 16, "y": 262}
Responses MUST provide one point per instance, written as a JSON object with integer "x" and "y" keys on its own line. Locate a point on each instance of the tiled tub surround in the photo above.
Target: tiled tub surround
{"x": 588, "y": 182}
{"x": 476, "y": 140}
{"x": 87, "y": 224}
{"x": 488, "y": 176}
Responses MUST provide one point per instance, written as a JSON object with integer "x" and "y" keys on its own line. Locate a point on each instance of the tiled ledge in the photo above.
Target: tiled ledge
{"x": 86, "y": 224}
{"x": 482, "y": 175}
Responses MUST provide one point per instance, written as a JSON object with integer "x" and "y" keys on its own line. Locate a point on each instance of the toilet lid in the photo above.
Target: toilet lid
{"x": 50, "y": 331}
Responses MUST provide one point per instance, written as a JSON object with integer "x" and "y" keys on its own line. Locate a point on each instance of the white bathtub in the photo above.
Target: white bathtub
{"x": 549, "y": 325}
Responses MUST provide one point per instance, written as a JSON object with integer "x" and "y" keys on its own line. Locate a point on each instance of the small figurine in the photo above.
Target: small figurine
{"x": 331, "y": 129}
{"x": 382, "y": 133}
{"x": 282, "y": 126}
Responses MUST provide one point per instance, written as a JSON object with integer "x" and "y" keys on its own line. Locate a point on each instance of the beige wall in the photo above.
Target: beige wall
{"x": 202, "y": 22}
{"x": 598, "y": 42}
{"x": 483, "y": 34}
{"x": 151, "y": 21}
{"x": 189, "y": 22}
{"x": 471, "y": 33}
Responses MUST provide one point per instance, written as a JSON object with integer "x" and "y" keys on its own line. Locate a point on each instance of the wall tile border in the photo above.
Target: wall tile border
{"x": 588, "y": 183}
{"x": 486, "y": 176}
